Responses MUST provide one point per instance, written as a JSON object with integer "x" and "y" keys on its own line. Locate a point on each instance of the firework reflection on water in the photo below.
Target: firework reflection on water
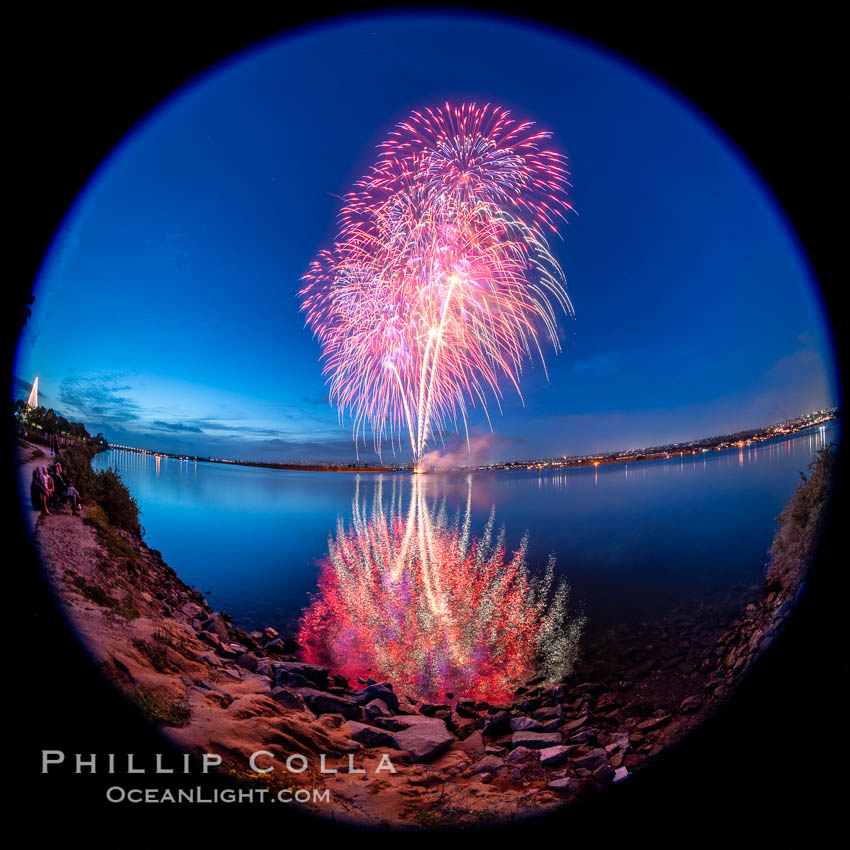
{"x": 407, "y": 594}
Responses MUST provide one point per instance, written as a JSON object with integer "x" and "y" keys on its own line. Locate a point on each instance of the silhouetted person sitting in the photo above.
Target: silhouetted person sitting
{"x": 65, "y": 491}
{"x": 39, "y": 493}
{"x": 49, "y": 485}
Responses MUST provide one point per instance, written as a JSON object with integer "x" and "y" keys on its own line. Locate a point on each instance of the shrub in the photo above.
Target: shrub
{"x": 800, "y": 525}
{"x": 104, "y": 487}
{"x": 117, "y": 502}
{"x": 161, "y": 710}
{"x": 76, "y": 461}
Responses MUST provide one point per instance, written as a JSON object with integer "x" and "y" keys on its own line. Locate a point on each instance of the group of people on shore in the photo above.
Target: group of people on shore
{"x": 51, "y": 488}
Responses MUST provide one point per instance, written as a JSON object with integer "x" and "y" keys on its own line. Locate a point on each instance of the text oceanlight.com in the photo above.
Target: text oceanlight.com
{"x": 117, "y": 794}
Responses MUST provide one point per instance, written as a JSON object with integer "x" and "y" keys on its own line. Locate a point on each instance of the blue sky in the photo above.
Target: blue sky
{"x": 166, "y": 312}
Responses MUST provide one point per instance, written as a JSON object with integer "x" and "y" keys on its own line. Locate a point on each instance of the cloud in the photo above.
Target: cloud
{"x": 176, "y": 426}
{"x": 99, "y": 398}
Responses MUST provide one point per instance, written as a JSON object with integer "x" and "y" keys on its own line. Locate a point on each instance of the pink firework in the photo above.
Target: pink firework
{"x": 441, "y": 280}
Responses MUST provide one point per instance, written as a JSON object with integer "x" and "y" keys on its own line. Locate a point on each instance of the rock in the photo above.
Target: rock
{"x": 393, "y": 724}
{"x": 519, "y": 754}
{"x": 618, "y": 741}
{"x": 313, "y": 673}
{"x": 584, "y": 736}
{"x": 473, "y": 746}
{"x": 590, "y": 760}
{"x": 264, "y": 668}
{"x": 604, "y": 773}
{"x": 289, "y": 679}
{"x": 653, "y": 723}
{"x": 383, "y": 691}
{"x": 430, "y": 709}
{"x": 218, "y": 625}
{"x": 489, "y": 764}
{"x": 369, "y": 736}
{"x": 288, "y": 698}
{"x": 523, "y": 724}
{"x": 275, "y": 647}
{"x": 192, "y": 610}
{"x": 497, "y": 724}
{"x": 270, "y": 633}
{"x": 425, "y": 740}
{"x": 690, "y": 704}
{"x": 323, "y": 703}
{"x": 574, "y": 725}
{"x": 247, "y": 661}
{"x": 377, "y": 708}
{"x": 566, "y": 785}
{"x": 553, "y": 756}
{"x": 608, "y": 700}
{"x": 535, "y": 740}
{"x": 549, "y": 712}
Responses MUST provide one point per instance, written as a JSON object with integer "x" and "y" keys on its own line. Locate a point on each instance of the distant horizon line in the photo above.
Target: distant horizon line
{"x": 832, "y": 413}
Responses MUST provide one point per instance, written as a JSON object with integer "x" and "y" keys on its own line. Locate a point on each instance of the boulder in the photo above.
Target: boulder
{"x": 248, "y": 661}
{"x": 524, "y": 724}
{"x": 192, "y": 610}
{"x": 288, "y": 698}
{"x": 604, "y": 773}
{"x": 425, "y": 740}
{"x": 519, "y": 754}
{"x": 369, "y": 736}
{"x": 394, "y": 724}
{"x": 377, "y": 708}
{"x": 489, "y": 764}
{"x": 653, "y": 723}
{"x": 497, "y": 724}
{"x": 473, "y": 745}
{"x": 218, "y": 625}
{"x": 382, "y": 691}
{"x": 554, "y": 756}
{"x": 289, "y": 679}
{"x": 323, "y": 703}
{"x": 590, "y": 760}
{"x": 574, "y": 725}
{"x": 566, "y": 785}
{"x": 536, "y": 740}
{"x": 313, "y": 673}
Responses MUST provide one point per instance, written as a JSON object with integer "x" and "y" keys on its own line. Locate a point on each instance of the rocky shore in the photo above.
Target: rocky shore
{"x": 216, "y": 688}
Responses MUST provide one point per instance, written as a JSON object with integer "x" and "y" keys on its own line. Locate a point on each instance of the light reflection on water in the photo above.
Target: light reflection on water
{"x": 632, "y": 539}
{"x": 412, "y": 593}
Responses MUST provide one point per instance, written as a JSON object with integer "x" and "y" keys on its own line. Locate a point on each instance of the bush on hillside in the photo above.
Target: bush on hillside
{"x": 104, "y": 487}
{"x": 800, "y": 525}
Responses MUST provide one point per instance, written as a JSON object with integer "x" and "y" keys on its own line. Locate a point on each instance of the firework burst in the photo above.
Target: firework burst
{"x": 442, "y": 280}
{"x": 409, "y": 595}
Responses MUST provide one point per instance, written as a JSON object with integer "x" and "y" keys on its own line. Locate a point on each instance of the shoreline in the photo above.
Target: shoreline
{"x": 213, "y": 687}
{"x": 744, "y": 439}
